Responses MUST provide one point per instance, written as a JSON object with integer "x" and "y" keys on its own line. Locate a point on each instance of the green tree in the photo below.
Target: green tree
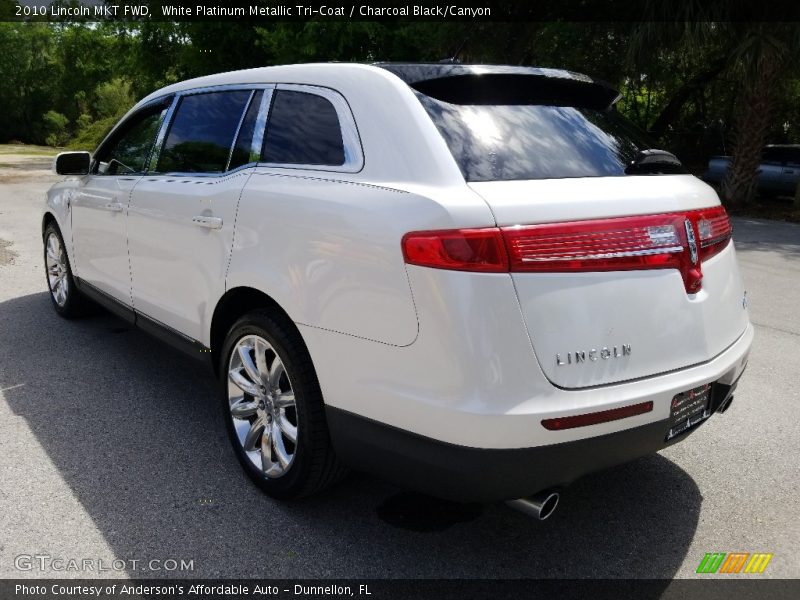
{"x": 756, "y": 56}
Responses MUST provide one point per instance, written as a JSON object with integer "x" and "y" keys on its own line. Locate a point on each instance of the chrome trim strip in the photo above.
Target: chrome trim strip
{"x": 261, "y": 126}
{"x": 155, "y": 152}
{"x": 225, "y": 88}
{"x": 353, "y": 151}
{"x": 669, "y": 250}
{"x": 238, "y": 129}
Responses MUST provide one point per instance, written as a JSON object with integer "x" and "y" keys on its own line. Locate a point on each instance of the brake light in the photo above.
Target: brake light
{"x": 661, "y": 241}
{"x": 714, "y": 229}
{"x": 480, "y": 250}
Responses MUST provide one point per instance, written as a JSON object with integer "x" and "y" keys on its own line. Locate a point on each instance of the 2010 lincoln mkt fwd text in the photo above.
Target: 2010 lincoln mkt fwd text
{"x": 476, "y": 281}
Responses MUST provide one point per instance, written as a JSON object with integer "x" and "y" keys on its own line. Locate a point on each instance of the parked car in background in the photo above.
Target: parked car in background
{"x": 476, "y": 281}
{"x": 778, "y": 174}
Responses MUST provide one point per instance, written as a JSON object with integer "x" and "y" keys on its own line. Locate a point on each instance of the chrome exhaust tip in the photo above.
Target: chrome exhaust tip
{"x": 540, "y": 505}
{"x": 726, "y": 404}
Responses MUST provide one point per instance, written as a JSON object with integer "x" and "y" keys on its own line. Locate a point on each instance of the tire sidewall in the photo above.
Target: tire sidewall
{"x": 289, "y": 484}
{"x": 68, "y": 307}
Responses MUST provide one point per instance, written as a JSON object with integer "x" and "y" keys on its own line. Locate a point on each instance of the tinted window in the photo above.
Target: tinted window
{"x": 241, "y": 152}
{"x": 202, "y": 132}
{"x": 532, "y": 141}
{"x": 130, "y": 152}
{"x": 303, "y": 129}
{"x": 781, "y": 155}
{"x": 773, "y": 156}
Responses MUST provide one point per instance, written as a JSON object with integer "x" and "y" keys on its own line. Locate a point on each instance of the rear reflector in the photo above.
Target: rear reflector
{"x": 661, "y": 241}
{"x": 603, "y": 416}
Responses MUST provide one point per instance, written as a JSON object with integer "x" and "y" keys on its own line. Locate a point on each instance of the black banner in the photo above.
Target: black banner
{"x": 265, "y": 11}
{"x": 730, "y": 588}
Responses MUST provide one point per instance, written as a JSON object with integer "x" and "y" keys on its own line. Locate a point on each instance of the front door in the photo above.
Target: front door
{"x": 100, "y": 204}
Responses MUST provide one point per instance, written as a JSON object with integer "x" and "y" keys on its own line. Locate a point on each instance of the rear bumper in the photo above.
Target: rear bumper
{"x": 468, "y": 474}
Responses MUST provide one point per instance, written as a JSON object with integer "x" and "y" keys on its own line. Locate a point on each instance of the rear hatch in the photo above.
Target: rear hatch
{"x": 622, "y": 262}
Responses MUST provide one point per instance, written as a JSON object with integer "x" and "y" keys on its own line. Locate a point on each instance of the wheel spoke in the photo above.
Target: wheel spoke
{"x": 289, "y": 430}
{"x": 275, "y": 372}
{"x": 244, "y": 408}
{"x": 284, "y": 399}
{"x": 266, "y": 450}
{"x": 260, "y": 350}
{"x": 240, "y": 381}
{"x": 278, "y": 447}
{"x": 256, "y": 430}
{"x": 248, "y": 364}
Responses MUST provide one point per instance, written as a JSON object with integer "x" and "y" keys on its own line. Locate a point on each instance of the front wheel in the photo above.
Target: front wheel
{"x": 67, "y": 300}
{"x": 273, "y": 408}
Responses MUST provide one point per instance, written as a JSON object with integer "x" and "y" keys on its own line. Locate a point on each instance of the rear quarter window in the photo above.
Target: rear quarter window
{"x": 303, "y": 129}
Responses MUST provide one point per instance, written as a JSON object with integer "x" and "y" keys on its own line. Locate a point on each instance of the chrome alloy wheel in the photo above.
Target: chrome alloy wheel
{"x": 56, "y": 260}
{"x": 262, "y": 405}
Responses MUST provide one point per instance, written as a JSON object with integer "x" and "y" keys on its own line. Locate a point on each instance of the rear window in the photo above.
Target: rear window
{"x": 492, "y": 142}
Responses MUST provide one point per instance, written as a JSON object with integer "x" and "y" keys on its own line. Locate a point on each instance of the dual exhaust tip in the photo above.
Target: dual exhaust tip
{"x": 539, "y": 506}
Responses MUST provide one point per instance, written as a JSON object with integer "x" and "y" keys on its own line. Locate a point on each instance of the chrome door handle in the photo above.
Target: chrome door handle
{"x": 208, "y": 222}
{"x": 114, "y": 207}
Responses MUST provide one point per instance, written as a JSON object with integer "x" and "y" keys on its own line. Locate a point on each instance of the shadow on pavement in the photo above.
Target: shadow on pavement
{"x": 135, "y": 431}
{"x": 767, "y": 236}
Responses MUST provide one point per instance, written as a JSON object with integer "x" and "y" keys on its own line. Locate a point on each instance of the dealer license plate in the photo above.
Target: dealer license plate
{"x": 688, "y": 409}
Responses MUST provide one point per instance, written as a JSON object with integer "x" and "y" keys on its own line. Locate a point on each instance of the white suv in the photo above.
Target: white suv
{"x": 476, "y": 281}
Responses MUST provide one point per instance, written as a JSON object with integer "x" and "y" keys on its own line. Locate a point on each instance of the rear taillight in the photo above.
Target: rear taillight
{"x": 480, "y": 250}
{"x": 662, "y": 241}
{"x": 714, "y": 230}
{"x": 652, "y": 242}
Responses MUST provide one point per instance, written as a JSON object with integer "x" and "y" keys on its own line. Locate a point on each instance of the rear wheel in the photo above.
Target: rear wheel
{"x": 273, "y": 408}
{"x": 66, "y": 298}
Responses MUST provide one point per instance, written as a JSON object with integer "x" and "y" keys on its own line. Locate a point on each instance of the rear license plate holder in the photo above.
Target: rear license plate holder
{"x": 688, "y": 409}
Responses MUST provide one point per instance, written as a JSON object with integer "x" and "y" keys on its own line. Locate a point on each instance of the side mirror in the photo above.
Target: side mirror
{"x": 72, "y": 163}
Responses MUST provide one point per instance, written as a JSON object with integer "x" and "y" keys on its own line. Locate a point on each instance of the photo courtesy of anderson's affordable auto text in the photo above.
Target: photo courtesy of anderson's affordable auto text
{"x": 399, "y": 301}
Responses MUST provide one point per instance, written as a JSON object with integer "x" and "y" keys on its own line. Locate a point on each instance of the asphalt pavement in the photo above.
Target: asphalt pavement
{"x": 112, "y": 448}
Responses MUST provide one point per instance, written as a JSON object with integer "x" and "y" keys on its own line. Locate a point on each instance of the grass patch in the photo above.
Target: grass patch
{"x": 28, "y": 149}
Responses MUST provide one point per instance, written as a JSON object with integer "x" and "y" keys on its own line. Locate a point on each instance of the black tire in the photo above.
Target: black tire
{"x": 74, "y": 304}
{"x": 314, "y": 465}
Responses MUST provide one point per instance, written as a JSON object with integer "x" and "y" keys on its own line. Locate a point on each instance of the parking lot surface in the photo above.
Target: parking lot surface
{"x": 112, "y": 447}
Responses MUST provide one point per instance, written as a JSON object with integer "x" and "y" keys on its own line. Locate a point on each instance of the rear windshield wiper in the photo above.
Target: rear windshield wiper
{"x": 655, "y": 162}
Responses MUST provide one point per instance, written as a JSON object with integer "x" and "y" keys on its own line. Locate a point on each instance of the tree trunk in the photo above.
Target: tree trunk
{"x": 752, "y": 121}
{"x": 672, "y": 110}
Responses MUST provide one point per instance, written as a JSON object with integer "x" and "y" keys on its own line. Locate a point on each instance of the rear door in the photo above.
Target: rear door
{"x": 622, "y": 263}
{"x": 181, "y": 221}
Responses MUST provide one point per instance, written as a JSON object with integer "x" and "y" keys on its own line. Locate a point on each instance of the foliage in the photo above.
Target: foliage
{"x": 55, "y": 127}
{"x": 683, "y": 77}
{"x": 113, "y": 98}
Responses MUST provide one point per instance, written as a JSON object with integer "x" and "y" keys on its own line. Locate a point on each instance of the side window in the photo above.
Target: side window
{"x": 129, "y": 152}
{"x": 244, "y": 142}
{"x": 303, "y": 129}
{"x": 202, "y": 132}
